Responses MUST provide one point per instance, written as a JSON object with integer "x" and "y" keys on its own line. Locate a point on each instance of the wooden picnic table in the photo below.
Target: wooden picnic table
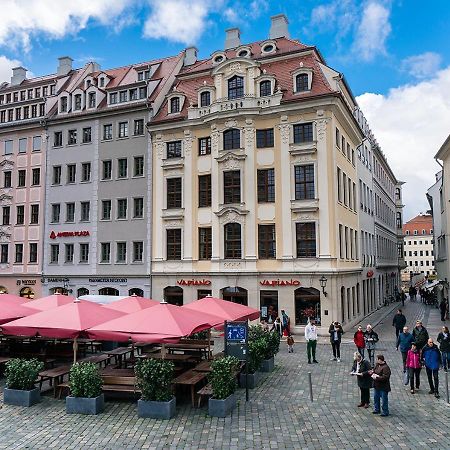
{"x": 118, "y": 354}
{"x": 167, "y": 356}
{"x": 118, "y": 372}
{"x": 97, "y": 359}
{"x": 204, "y": 366}
{"x": 191, "y": 379}
{"x": 54, "y": 376}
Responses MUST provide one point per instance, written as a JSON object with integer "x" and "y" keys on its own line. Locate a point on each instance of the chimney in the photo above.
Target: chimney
{"x": 279, "y": 26}
{"x": 232, "y": 38}
{"x": 65, "y": 65}
{"x": 18, "y": 75}
{"x": 190, "y": 56}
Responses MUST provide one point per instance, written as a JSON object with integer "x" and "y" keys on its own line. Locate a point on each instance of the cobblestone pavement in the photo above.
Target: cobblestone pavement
{"x": 279, "y": 414}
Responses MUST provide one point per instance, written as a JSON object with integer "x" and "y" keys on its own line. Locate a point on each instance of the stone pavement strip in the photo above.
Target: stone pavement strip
{"x": 279, "y": 414}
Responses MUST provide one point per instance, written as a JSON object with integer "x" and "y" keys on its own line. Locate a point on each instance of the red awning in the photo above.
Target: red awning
{"x": 131, "y": 304}
{"x": 223, "y": 308}
{"x": 64, "y": 322}
{"x": 51, "y": 301}
{"x": 161, "y": 323}
{"x": 10, "y": 311}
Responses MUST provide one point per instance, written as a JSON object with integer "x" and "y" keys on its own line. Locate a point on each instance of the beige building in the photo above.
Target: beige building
{"x": 255, "y": 193}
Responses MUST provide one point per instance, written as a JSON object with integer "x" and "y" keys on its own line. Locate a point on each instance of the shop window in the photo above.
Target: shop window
{"x": 202, "y": 293}
{"x": 59, "y": 290}
{"x": 268, "y": 305}
{"x": 3, "y": 290}
{"x": 27, "y": 292}
{"x": 307, "y": 305}
{"x": 82, "y": 291}
{"x": 136, "y": 291}
{"x": 173, "y": 295}
{"x": 235, "y": 294}
{"x": 108, "y": 291}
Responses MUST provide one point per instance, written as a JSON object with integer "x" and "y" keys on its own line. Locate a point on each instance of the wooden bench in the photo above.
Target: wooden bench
{"x": 112, "y": 383}
{"x": 204, "y": 392}
{"x": 191, "y": 379}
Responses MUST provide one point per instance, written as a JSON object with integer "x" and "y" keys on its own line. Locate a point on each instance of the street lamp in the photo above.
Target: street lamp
{"x": 323, "y": 284}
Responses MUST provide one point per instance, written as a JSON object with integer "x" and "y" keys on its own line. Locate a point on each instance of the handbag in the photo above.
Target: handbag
{"x": 406, "y": 377}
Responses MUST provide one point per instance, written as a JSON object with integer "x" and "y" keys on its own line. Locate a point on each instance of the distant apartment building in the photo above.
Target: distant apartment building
{"x": 418, "y": 246}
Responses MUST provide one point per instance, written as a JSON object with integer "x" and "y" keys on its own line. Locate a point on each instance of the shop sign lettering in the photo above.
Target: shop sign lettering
{"x": 194, "y": 282}
{"x": 26, "y": 282}
{"x": 279, "y": 282}
{"x": 56, "y": 280}
{"x": 108, "y": 280}
{"x": 59, "y": 234}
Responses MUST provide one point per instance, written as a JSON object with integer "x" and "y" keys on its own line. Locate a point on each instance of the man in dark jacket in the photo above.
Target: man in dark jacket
{"x": 404, "y": 341}
{"x": 381, "y": 375}
{"x": 431, "y": 357}
{"x": 398, "y": 322}
{"x": 443, "y": 309}
{"x": 444, "y": 346}
{"x": 420, "y": 335}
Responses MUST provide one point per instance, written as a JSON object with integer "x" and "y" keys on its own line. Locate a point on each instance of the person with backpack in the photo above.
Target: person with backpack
{"x": 414, "y": 366}
{"x": 371, "y": 339}
{"x": 361, "y": 370}
{"x": 358, "y": 339}
{"x": 336, "y": 333}
{"x": 431, "y": 357}
{"x": 444, "y": 346}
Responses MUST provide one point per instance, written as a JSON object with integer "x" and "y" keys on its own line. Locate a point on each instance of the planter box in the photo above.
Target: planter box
{"x": 21, "y": 398}
{"x": 82, "y": 405}
{"x": 268, "y": 365}
{"x": 253, "y": 380}
{"x": 157, "y": 410}
{"x": 221, "y": 408}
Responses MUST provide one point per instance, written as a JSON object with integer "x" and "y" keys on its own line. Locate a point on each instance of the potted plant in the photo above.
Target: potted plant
{"x": 272, "y": 341}
{"x": 85, "y": 385}
{"x": 154, "y": 378}
{"x": 223, "y": 384}
{"x": 256, "y": 350}
{"x": 21, "y": 375}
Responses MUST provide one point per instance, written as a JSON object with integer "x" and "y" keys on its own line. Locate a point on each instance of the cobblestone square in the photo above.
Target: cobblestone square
{"x": 279, "y": 414}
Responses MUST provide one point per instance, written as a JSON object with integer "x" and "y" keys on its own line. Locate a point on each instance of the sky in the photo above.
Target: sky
{"x": 395, "y": 55}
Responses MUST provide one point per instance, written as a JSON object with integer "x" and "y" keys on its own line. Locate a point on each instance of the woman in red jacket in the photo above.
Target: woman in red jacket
{"x": 359, "y": 341}
{"x": 414, "y": 366}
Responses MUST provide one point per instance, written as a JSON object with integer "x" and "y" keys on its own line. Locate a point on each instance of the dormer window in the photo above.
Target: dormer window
{"x": 122, "y": 96}
{"x": 92, "y": 100}
{"x": 243, "y": 52}
{"x": 268, "y": 47}
{"x": 218, "y": 59}
{"x": 133, "y": 94}
{"x": 144, "y": 75}
{"x": 88, "y": 83}
{"x": 235, "y": 87}
{"x": 205, "y": 98}
{"x": 113, "y": 98}
{"x": 77, "y": 105}
{"x": 101, "y": 82}
{"x": 63, "y": 104}
{"x": 175, "y": 105}
{"x": 265, "y": 88}
{"x": 301, "y": 83}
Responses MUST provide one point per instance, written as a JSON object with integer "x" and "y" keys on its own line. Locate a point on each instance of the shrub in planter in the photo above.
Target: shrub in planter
{"x": 86, "y": 390}
{"x": 273, "y": 344}
{"x": 257, "y": 350}
{"x": 201, "y": 335}
{"x": 21, "y": 374}
{"x": 154, "y": 378}
{"x": 223, "y": 383}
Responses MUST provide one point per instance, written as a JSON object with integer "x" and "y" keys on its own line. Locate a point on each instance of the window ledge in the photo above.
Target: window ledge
{"x": 173, "y": 214}
{"x": 305, "y": 206}
{"x": 173, "y": 163}
{"x": 306, "y": 148}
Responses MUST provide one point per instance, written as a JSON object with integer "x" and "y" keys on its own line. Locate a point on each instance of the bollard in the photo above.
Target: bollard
{"x": 446, "y": 387}
{"x": 310, "y": 387}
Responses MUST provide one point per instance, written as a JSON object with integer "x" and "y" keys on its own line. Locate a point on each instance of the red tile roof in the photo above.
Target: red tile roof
{"x": 419, "y": 223}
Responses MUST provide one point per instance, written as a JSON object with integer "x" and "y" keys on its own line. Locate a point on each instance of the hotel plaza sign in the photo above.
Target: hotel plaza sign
{"x": 279, "y": 282}
{"x": 59, "y": 234}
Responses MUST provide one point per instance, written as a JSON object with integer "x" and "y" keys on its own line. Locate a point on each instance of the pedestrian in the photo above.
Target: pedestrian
{"x": 361, "y": 370}
{"x": 443, "y": 309}
{"x": 414, "y": 366}
{"x": 336, "y": 333}
{"x": 371, "y": 339}
{"x": 403, "y": 297}
{"x": 444, "y": 346}
{"x": 286, "y": 322}
{"x": 399, "y": 321}
{"x": 358, "y": 339}
{"x": 404, "y": 341}
{"x": 290, "y": 343}
{"x": 381, "y": 375}
{"x": 431, "y": 357}
{"x": 277, "y": 326}
{"x": 311, "y": 341}
{"x": 420, "y": 335}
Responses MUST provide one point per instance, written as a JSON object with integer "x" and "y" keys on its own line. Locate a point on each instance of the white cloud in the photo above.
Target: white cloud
{"x": 5, "y": 68}
{"x": 177, "y": 20}
{"x": 373, "y": 30}
{"x": 424, "y": 65}
{"x": 410, "y": 123}
{"x": 23, "y": 19}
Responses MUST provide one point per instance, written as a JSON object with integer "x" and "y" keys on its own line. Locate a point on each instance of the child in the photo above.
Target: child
{"x": 290, "y": 343}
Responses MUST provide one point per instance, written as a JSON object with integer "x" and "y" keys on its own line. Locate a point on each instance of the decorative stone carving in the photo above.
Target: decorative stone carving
{"x": 249, "y": 136}
{"x": 214, "y": 141}
{"x": 284, "y": 133}
{"x": 187, "y": 142}
{"x": 6, "y": 199}
{"x": 6, "y": 162}
{"x": 231, "y": 214}
{"x": 232, "y": 265}
{"x": 159, "y": 146}
{"x": 230, "y": 123}
{"x": 174, "y": 224}
{"x": 5, "y": 233}
{"x": 321, "y": 127}
{"x": 235, "y": 67}
{"x": 231, "y": 161}
{"x": 302, "y": 158}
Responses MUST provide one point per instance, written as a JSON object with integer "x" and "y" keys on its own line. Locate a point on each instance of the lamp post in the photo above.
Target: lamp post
{"x": 323, "y": 284}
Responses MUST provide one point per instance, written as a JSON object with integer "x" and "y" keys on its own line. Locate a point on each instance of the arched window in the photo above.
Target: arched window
{"x": 82, "y": 291}
{"x": 173, "y": 295}
{"x": 235, "y": 87}
{"x": 265, "y": 88}
{"x": 27, "y": 292}
{"x": 235, "y": 294}
{"x": 3, "y": 290}
{"x": 175, "y": 104}
{"x": 136, "y": 291}
{"x": 231, "y": 139}
{"x": 301, "y": 83}
{"x": 108, "y": 291}
{"x": 307, "y": 305}
{"x": 232, "y": 242}
{"x": 205, "y": 98}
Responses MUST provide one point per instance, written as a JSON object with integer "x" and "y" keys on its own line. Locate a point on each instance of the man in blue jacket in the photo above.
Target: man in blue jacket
{"x": 404, "y": 341}
{"x": 431, "y": 357}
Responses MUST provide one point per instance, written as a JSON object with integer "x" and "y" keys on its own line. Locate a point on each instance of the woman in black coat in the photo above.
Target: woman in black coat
{"x": 361, "y": 369}
{"x": 336, "y": 333}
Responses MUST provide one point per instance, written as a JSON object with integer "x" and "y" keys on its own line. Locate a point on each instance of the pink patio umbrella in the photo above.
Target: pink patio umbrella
{"x": 64, "y": 322}
{"x": 223, "y": 308}
{"x": 131, "y": 304}
{"x": 10, "y": 311}
{"x": 11, "y": 298}
{"x": 51, "y": 301}
{"x": 160, "y": 323}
